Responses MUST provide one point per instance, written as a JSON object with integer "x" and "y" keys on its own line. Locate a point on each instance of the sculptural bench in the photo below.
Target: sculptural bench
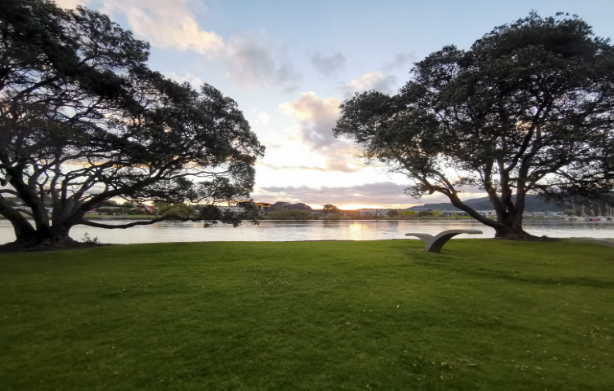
{"x": 435, "y": 243}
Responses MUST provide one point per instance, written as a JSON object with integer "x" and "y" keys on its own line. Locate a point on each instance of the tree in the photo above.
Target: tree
{"x": 392, "y": 213}
{"x": 571, "y": 212}
{"x": 425, "y": 213}
{"x": 83, "y": 121}
{"x": 330, "y": 208}
{"x": 529, "y": 108}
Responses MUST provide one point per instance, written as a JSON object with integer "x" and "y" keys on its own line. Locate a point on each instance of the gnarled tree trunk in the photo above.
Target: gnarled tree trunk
{"x": 508, "y": 224}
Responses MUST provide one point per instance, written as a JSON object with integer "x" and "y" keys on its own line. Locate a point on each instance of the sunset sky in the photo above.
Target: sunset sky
{"x": 290, "y": 64}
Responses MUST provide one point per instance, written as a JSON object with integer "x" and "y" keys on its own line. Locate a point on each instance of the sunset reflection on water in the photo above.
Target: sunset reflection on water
{"x": 315, "y": 230}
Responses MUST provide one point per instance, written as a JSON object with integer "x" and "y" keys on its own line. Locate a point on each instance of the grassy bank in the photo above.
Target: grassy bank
{"x": 483, "y": 315}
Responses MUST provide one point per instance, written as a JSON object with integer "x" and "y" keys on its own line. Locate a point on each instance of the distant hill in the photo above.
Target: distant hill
{"x": 533, "y": 204}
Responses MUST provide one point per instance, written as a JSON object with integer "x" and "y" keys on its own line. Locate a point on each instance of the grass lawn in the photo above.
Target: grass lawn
{"x": 382, "y": 315}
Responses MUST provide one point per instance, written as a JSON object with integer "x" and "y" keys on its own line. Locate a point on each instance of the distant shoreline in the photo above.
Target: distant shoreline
{"x": 405, "y": 218}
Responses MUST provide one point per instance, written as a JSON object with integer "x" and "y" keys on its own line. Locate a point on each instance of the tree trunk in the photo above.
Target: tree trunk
{"x": 22, "y": 227}
{"x": 509, "y": 222}
{"x": 513, "y": 233}
{"x": 54, "y": 238}
{"x": 510, "y": 226}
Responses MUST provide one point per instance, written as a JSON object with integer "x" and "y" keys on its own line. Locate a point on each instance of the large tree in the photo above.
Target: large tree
{"x": 83, "y": 120}
{"x": 529, "y": 108}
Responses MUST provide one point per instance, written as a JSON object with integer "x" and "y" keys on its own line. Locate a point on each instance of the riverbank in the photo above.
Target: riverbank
{"x": 172, "y": 231}
{"x": 344, "y": 218}
{"x": 482, "y": 315}
{"x": 100, "y": 217}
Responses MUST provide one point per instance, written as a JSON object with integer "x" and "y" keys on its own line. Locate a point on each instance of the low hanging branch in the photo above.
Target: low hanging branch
{"x": 83, "y": 121}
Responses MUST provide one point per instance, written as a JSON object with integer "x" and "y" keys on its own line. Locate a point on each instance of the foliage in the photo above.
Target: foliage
{"x": 286, "y": 214}
{"x": 325, "y": 315}
{"x": 83, "y": 120}
{"x": 178, "y": 212}
{"x": 571, "y": 212}
{"x": 425, "y": 213}
{"x": 392, "y": 213}
{"x": 89, "y": 240}
{"x": 333, "y": 217}
{"x": 176, "y": 208}
{"x": 120, "y": 210}
{"x": 409, "y": 213}
{"x": 330, "y": 208}
{"x": 528, "y": 108}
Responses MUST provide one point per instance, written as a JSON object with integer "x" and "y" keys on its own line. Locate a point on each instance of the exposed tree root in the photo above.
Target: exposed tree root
{"x": 20, "y": 246}
{"x": 528, "y": 238}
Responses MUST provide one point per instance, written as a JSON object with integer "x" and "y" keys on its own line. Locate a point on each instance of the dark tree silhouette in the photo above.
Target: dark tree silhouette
{"x": 529, "y": 108}
{"x": 83, "y": 120}
{"x": 330, "y": 208}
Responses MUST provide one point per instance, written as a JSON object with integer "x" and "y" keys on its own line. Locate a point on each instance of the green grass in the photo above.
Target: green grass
{"x": 382, "y": 315}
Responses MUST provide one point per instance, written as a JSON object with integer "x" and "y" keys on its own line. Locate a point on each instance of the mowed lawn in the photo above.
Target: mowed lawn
{"x": 380, "y": 315}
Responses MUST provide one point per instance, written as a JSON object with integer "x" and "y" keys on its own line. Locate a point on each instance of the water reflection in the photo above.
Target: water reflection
{"x": 316, "y": 230}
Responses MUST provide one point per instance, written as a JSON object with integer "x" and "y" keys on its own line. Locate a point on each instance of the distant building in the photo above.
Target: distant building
{"x": 279, "y": 205}
{"x": 263, "y": 206}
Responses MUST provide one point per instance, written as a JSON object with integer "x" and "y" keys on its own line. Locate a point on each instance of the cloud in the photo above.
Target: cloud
{"x": 250, "y": 62}
{"x": 317, "y": 117}
{"x": 399, "y": 61}
{"x": 332, "y": 165}
{"x": 383, "y": 193}
{"x": 328, "y": 65}
{"x": 170, "y": 24}
{"x": 371, "y": 81}
{"x": 195, "y": 81}
{"x": 259, "y": 117}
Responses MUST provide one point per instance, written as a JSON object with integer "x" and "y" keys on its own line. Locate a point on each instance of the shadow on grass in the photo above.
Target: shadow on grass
{"x": 512, "y": 276}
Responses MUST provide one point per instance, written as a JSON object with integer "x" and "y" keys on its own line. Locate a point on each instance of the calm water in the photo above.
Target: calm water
{"x": 315, "y": 230}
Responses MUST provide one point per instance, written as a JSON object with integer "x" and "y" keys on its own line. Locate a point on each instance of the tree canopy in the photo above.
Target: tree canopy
{"x": 392, "y": 213}
{"x": 84, "y": 120}
{"x": 529, "y": 108}
{"x": 330, "y": 208}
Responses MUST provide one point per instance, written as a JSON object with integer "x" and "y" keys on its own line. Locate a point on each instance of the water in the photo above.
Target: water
{"x": 315, "y": 230}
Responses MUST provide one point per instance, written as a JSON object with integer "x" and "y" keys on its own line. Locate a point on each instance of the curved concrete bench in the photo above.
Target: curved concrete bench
{"x": 435, "y": 243}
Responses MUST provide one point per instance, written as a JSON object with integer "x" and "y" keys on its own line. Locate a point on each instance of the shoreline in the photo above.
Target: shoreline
{"x": 149, "y": 217}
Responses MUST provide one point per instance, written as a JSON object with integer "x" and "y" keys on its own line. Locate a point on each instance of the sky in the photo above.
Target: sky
{"x": 289, "y": 64}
